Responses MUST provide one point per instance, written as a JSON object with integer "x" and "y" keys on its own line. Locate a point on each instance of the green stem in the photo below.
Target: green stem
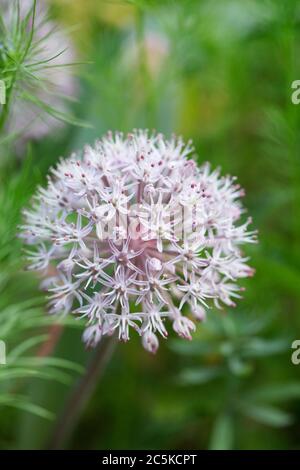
{"x": 80, "y": 395}
{"x": 146, "y": 80}
{"x": 6, "y": 107}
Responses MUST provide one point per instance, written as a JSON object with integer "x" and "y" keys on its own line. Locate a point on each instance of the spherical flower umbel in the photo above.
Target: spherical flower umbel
{"x": 139, "y": 236}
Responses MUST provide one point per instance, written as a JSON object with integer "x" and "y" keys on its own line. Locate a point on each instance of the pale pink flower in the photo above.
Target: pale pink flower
{"x": 109, "y": 221}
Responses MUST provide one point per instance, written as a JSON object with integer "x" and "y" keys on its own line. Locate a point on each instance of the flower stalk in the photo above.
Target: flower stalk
{"x": 81, "y": 393}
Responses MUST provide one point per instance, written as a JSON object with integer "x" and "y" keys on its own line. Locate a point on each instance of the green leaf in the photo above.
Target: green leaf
{"x": 239, "y": 367}
{"x": 24, "y": 346}
{"x": 222, "y": 437}
{"x": 266, "y": 414}
{"x": 22, "y": 373}
{"x": 57, "y": 114}
{"x": 193, "y": 348}
{"x": 277, "y": 392}
{"x": 199, "y": 375}
{"x": 259, "y": 347}
{"x": 50, "y": 361}
{"x": 20, "y": 402}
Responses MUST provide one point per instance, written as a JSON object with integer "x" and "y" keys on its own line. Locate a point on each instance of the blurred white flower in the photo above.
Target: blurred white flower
{"x": 132, "y": 259}
{"x": 155, "y": 48}
{"x": 42, "y": 91}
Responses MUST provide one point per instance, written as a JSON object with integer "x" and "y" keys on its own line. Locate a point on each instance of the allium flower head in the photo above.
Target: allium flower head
{"x": 140, "y": 237}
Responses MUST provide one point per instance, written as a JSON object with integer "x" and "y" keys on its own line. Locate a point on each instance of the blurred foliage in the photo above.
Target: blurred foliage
{"x": 219, "y": 72}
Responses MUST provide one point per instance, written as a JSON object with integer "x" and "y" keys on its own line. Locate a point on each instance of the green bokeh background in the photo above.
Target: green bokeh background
{"x": 218, "y": 72}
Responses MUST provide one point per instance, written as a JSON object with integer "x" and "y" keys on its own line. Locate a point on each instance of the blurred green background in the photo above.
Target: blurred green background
{"x": 218, "y": 72}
